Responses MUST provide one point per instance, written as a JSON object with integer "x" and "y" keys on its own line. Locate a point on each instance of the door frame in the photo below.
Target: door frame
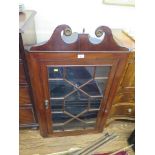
{"x": 45, "y": 87}
{"x": 38, "y": 72}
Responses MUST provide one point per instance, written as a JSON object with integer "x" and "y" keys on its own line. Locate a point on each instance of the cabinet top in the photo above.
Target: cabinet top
{"x": 24, "y": 18}
{"x": 106, "y": 39}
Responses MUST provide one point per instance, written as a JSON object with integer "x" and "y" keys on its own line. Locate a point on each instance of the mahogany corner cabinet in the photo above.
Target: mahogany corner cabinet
{"x": 74, "y": 79}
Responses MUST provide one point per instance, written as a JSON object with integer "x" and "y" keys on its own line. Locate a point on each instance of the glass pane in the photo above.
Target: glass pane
{"x": 59, "y": 88}
{"x": 76, "y": 96}
{"x": 57, "y": 105}
{"x": 60, "y": 118}
{"x": 90, "y": 118}
{"x": 102, "y": 71}
{"x": 55, "y": 72}
{"x": 76, "y": 108}
{"x": 101, "y": 84}
{"x": 76, "y": 103}
{"x": 74, "y": 125}
{"x": 95, "y": 103}
{"x": 92, "y": 89}
{"x": 58, "y": 127}
{"x": 79, "y": 75}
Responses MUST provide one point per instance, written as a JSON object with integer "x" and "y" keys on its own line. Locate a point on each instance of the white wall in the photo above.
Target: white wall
{"x": 78, "y": 14}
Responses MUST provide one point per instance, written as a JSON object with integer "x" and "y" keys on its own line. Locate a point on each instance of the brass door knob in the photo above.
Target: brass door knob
{"x": 46, "y": 104}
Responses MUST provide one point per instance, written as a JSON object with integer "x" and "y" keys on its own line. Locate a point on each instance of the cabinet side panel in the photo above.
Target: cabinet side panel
{"x": 35, "y": 77}
{"x": 114, "y": 87}
{"x": 125, "y": 96}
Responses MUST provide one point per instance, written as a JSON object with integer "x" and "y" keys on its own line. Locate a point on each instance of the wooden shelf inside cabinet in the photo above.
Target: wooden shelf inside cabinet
{"x": 74, "y": 82}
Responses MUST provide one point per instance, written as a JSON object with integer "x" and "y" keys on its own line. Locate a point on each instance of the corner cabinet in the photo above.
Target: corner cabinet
{"x": 74, "y": 83}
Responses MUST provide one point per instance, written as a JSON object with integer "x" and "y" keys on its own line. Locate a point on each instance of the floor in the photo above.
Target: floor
{"x": 31, "y": 143}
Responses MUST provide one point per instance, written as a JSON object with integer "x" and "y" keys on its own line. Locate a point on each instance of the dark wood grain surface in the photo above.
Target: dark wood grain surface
{"x": 26, "y": 115}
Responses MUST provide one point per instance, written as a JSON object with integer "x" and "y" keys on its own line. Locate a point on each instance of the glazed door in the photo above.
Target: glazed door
{"x": 75, "y": 95}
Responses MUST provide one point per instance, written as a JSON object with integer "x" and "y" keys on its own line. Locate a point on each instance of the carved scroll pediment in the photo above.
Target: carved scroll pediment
{"x": 79, "y": 42}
